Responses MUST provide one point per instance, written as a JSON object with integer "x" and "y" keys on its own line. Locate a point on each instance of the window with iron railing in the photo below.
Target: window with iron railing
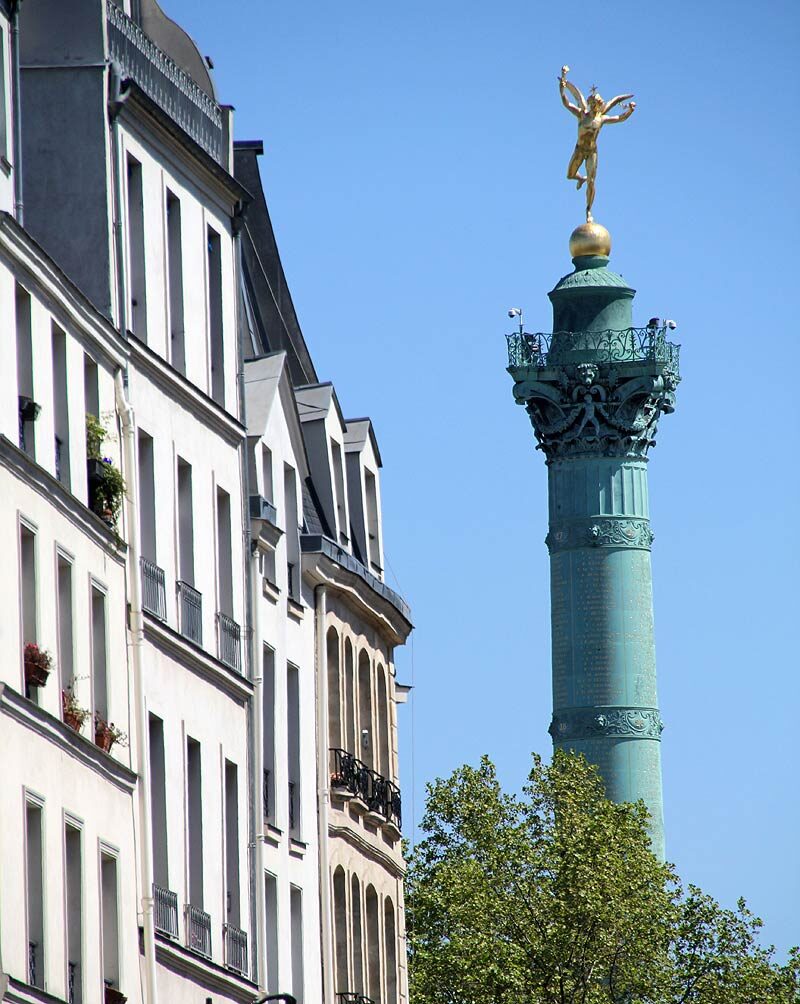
{"x": 154, "y": 590}
{"x": 190, "y": 612}
{"x": 235, "y": 948}
{"x": 349, "y": 775}
{"x": 198, "y": 930}
{"x": 229, "y": 642}
{"x": 165, "y": 911}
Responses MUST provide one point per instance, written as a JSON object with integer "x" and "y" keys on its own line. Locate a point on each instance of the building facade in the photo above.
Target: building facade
{"x": 197, "y": 694}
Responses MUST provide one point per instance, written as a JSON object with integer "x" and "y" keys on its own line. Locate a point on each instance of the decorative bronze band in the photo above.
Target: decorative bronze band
{"x": 589, "y": 723}
{"x": 600, "y": 531}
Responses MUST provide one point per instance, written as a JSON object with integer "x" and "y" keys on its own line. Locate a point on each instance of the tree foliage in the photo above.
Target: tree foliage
{"x": 554, "y": 897}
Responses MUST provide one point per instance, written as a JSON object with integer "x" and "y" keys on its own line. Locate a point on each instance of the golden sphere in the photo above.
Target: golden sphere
{"x": 590, "y": 239}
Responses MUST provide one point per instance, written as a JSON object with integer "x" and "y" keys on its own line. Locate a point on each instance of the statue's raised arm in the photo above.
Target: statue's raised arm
{"x": 566, "y": 85}
{"x": 626, "y": 114}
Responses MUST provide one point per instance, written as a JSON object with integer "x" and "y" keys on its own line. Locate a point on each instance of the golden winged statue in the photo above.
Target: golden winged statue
{"x": 592, "y": 115}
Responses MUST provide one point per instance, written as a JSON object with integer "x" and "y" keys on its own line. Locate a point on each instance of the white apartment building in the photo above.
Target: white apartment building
{"x": 197, "y": 692}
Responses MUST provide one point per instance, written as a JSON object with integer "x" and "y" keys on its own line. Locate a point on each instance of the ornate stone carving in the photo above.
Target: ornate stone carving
{"x": 588, "y": 723}
{"x": 600, "y": 532}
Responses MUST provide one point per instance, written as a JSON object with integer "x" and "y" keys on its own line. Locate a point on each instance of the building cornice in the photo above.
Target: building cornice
{"x": 327, "y": 564}
{"x": 173, "y": 644}
{"x": 64, "y": 501}
{"x": 76, "y": 745}
{"x": 210, "y": 975}
{"x": 179, "y": 389}
{"x": 393, "y": 865}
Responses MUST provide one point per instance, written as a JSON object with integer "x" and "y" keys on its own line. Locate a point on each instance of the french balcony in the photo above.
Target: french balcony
{"x": 235, "y": 948}
{"x": 165, "y": 911}
{"x": 72, "y": 981}
{"x": 230, "y": 645}
{"x": 349, "y": 997}
{"x": 349, "y": 777}
{"x": 266, "y": 786}
{"x": 190, "y": 612}
{"x": 293, "y": 820}
{"x": 198, "y": 931}
{"x": 154, "y": 590}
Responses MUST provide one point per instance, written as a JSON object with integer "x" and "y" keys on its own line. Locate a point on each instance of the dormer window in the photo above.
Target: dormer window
{"x": 339, "y": 496}
{"x": 373, "y": 528}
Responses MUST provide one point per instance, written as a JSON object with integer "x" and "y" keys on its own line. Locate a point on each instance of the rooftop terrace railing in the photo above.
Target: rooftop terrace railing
{"x": 628, "y": 345}
{"x": 164, "y": 82}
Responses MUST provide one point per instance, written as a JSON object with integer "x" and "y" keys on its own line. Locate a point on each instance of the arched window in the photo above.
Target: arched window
{"x": 390, "y": 951}
{"x": 383, "y": 757}
{"x": 366, "y": 743}
{"x": 334, "y": 695}
{"x": 340, "y": 930}
{"x": 349, "y": 699}
{"x": 373, "y": 945}
{"x": 358, "y": 949}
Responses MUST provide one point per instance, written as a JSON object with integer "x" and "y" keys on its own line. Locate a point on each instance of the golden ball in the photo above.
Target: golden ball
{"x": 590, "y": 239}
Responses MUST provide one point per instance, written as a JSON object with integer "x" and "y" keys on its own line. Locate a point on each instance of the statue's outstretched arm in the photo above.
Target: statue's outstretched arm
{"x": 615, "y": 101}
{"x": 575, "y": 92}
{"x": 613, "y": 119}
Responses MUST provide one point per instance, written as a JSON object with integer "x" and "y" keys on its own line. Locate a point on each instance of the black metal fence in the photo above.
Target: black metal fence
{"x": 378, "y": 793}
{"x": 190, "y": 611}
{"x": 235, "y": 948}
{"x": 165, "y": 911}
{"x": 154, "y": 590}
{"x": 198, "y": 930}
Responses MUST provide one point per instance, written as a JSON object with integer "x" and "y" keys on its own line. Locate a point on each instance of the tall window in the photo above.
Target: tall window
{"x": 194, "y": 798}
{"x": 268, "y": 691}
{"x": 373, "y": 541}
{"x": 66, "y": 641}
{"x": 60, "y": 406}
{"x": 390, "y": 951}
{"x": 34, "y": 880}
{"x": 292, "y": 536}
{"x": 334, "y": 697}
{"x": 215, "y": 316}
{"x": 3, "y": 114}
{"x": 338, "y": 482}
{"x": 175, "y": 283}
{"x": 224, "y": 556}
{"x": 91, "y": 387}
{"x": 340, "y": 929}
{"x": 268, "y": 490}
{"x": 137, "y": 288}
{"x": 382, "y": 757}
{"x": 109, "y": 912}
{"x": 366, "y": 738}
{"x": 74, "y": 897}
{"x": 185, "y": 523}
{"x": 27, "y": 408}
{"x": 158, "y": 799}
{"x": 358, "y": 946}
{"x": 349, "y": 700}
{"x": 232, "y": 843}
{"x": 147, "y": 497}
{"x": 271, "y": 898}
{"x": 293, "y": 739}
{"x": 27, "y": 563}
{"x": 373, "y": 945}
{"x": 296, "y": 909}
{"x": 99, "y": 652}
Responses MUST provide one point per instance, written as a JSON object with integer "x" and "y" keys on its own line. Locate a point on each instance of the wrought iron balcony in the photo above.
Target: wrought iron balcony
{"x": 72, "y": 981}
{"x": 379, "y": 794}
{"x": 629, "y": 345}
{"x": 349, "y": 997}
{"x": 190, "y": 612}
{"x": 164, "y": 82}
{"x": 266, "y": 793}
{"x": 165, "y": 911}
{"x": 230, "y": 647}
{"x": 235, "y": 948}
{"x": 198, "y": 930}
{"x": 154, "y": 590}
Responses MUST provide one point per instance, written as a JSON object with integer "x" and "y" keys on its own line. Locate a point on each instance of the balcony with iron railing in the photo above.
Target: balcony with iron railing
{"x": 154, "y": 590}
{"x": 630, "y": 345}
{"x": 164, "y": 82}
{"x": 190, "y": 612}
{"x": 229, "y": 641}
{"x": 349, "y": 997}
{"x": 350, "y": 777}
{"x": 198, "y": 931}
{"x": 165, "y": 911}
{"x": 235, "y": 941}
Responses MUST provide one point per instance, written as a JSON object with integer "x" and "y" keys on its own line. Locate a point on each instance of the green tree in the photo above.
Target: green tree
{"x": 554, "y": 897}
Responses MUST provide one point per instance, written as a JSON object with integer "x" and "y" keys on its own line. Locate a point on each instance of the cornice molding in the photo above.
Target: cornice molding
{"x": 174, "y": 956}
{"x": 365, "y": 847}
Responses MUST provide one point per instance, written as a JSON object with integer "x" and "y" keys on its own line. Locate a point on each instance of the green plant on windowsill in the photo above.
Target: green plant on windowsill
{"x": 106, "y": 483}
{"x": 96, "y": 435}
{"x": 74, "y": 713}
{"x": 107, "y": 733}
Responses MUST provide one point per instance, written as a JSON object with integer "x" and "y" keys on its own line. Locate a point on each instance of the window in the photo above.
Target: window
{"x": 158, "y": 801}
{"x": 194, "y": 798}
{"x": 215, "y": 317}
{"x": 137, "y": 289}
{"x": 290, "y": 526}
{"x": 334, "y": 697}
{"x": 340, "y": 928}
{"x": 3, "y": 113}
{"x": 74, "y": 897}
{"x": 349, "y": 699}
{"x": 175, "y": 283}
{"x": 91, "y": 387}
{"x": 224, "y": 555}
{"x": 27, "y": 562}
{"x": 293, "y": 747}
{"x": 373, "y": 945}
{"x": 28, "y": 409}
{"x": 338, "y": 482}
{"x": 383, "y": 725}
{"x": 373, "y": 540}
{"x": 109, "y": 912}
{"x": 390, "y": 951}
{"x": 66, "y": 641}
{"x": 185, "y": 523}
{"x": 296, "y": 908}
{"x": 232, "y": 843}
{"x": 60, "y": 406}
{"x": 268, "y": 691}
{"x": 267, "y": 489}
{"x": 99, "y": 653}
{"x": 358, "y": 951}
{"x": 271, "y": 902}
{"x": 366, "y": 738}
{"x": 34, "y": 880}
{"x": 147, "y": 497}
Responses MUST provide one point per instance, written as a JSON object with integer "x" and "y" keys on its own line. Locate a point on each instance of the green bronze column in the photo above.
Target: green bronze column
{"x": 594, "y": 390}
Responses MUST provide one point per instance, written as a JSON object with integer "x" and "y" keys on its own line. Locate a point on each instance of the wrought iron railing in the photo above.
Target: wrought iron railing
{"x": 265, "y": 793}
{"x": 72, "y": 979}
{"x": 154, "y": 590}
{"x": 628, "y": 345}
{"x": 378, "y": 793}
{"x": 230, "y": 648}
{"x": 164, "y": 82}
{"x": 290, "y": 590}
{"x": 165, "y": 911}
{"x": 235, "y": 948}
{"x": 198, "y": 930}
{"x": 349, "y": 997}
{"x": 292, "y": 806}
{"x": 32, "y": 959}
{"x": 190, "y": 612}
{"x": 58, "y": 447}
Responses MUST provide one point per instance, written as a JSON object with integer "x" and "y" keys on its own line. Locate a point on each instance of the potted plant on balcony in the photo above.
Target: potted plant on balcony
{"x": 106, "y": 734}
{"x": 74, "y": 713}
{"x": 106, "y": 484}
{"x": 38, "y": 663}
{"x": 113, "y": 996}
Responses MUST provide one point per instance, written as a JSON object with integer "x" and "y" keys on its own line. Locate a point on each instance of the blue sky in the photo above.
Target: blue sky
{"x": 414, "y": 166}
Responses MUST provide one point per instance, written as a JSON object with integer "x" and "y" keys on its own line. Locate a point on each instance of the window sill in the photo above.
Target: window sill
{"x": 297, "y": 848}
{"x": 270, "y": 590}
{"x": 295, "y": 608}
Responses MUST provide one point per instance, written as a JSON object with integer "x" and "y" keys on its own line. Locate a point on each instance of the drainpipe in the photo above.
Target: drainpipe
{"x": 323, "y": 794}
{"x": 257, "y": 836}
{"x": 17, "y": 113}
{"x": 136, "y": 644}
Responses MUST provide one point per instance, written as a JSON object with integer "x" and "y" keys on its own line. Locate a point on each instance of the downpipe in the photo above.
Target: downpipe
{"x": 323, "y": 795}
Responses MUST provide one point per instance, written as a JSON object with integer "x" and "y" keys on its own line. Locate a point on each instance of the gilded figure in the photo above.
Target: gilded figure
{"x": 592, "y": 115}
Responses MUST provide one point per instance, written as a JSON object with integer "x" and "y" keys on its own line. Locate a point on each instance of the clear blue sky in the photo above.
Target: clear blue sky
{"x": 414, "y": 165}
